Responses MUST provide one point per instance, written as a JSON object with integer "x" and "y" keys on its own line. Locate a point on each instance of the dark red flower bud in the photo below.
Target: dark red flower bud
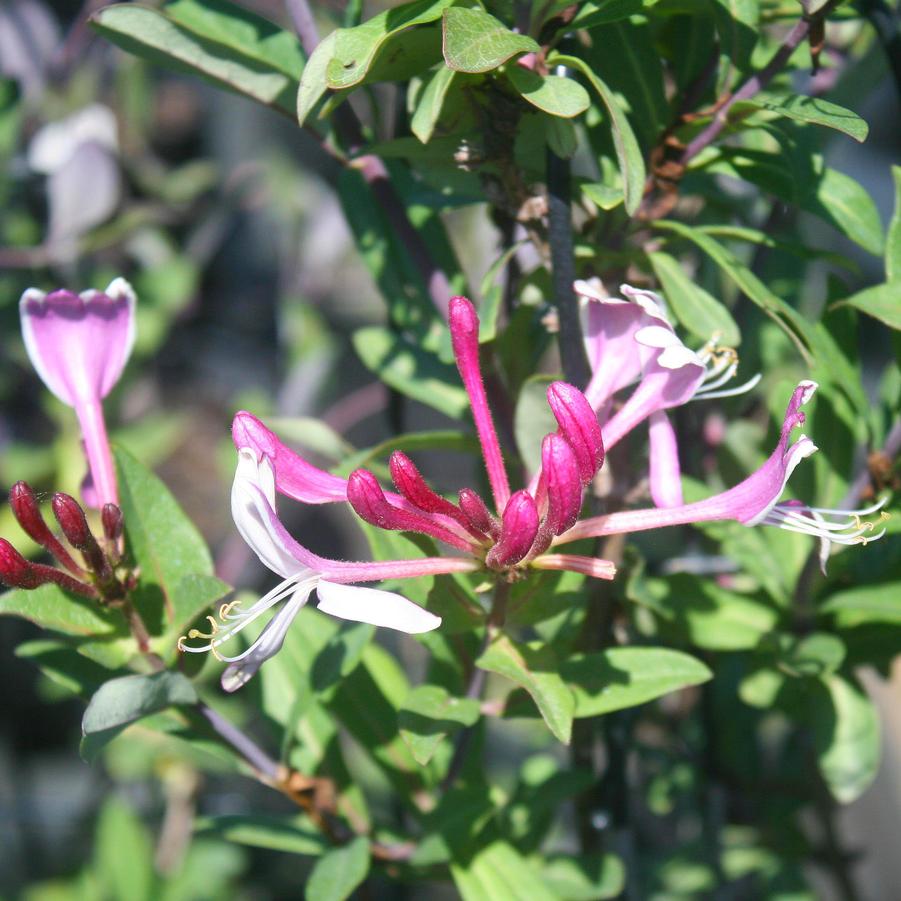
{"x": 111, "y": 517}
{"x": 519, "y": 526}
{"x": 410, "y": 483}
{"x": 477, "y": 512}
{"x": 368, "y": 500}
{"x": 15, "y": 570}
{"x": 25, "y": 508}
{"x": 71, "y": 520}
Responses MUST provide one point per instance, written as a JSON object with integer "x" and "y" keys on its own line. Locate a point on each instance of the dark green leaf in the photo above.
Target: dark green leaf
{"x": 591, "y": 14}
{"x": 338, "y": 872}
{"x": 340, "y": 657}
{"x": 701, "y": 313}
{"x": 628, "y": 153}
{"x": 152, "y": 35}
{"x": 535, "y": 669}
{"x": 737, "y": 24}
{"x": 65, "y": 666}
{"x": 475, "y": 41}
{"x": 121, "y": 701}
{"x": 553, "y": 94}
{"x": 623, "y": 677}
{"x": 428, "y": 714}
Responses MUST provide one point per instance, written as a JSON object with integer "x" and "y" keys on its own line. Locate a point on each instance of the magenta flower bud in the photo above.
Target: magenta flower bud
{"x": 25, "y": 508}
{"x": 464, "y": 329}
{"x": 111, "y": 517}
{"x": 477, "y": 512}
{"x": 15, "y": 570}
{"x": 579, "y": 426}
{"x": 519, "y": 526}
{"x": 368, "y": 500}
{"x": 561, "y": 475}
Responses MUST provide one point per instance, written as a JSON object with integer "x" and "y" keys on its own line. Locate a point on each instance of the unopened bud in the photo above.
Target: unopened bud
{"x": 560, "y": 471}
{"x": 25, "y": 508}
{"x": 71, "y": 520}
{"x": 519, "y": 526}
{"x": 15, "y": 570}
{"x": 111, "y": 517}
{"x": 368, "y": 500}
{"x": 477, "y": 512}
{"x": 579, "y": 426}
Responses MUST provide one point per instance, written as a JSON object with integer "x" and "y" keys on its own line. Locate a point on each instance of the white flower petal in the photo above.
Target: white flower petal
{"x": 657, "y": 336}
{"x": 379, "y": 608}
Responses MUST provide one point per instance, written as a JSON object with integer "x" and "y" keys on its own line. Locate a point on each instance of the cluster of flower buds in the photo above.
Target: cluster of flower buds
{"x": 95, "y": 577}
{"x": 529, "y": 519}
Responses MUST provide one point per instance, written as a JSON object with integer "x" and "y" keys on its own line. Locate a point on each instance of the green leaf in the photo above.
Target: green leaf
{"x": 591, "y": 14}
{"x": 849, "y": 207}
{"x": 64, "y": 666}
{"x": 810, "y": 110}
{"x": 879, "y": 603}
{"x": 588, "y": 878}
{"x": 340, "y": 657}
{"x": 737, "y": 22}
{"x": 155, "y": 36}
{"x": 427, "y": 716}
{"x": 701, "y": 313}
{"x": 337, "y": 873}
{"x": 893, "y": 237}
{"x": 788, "y": 319}
{"x": 628, "y": 153}
{"x": 603, "y": 196}
{"x": 293, "y": 834}
{"x": 431, "y": 102}
{"x": 882, "y": 302}
{"x": 534, "y": 667}
{"x": 354, "y": 50}
{"x": 497, "y": 870}
{"x": 474, "y": 41}
{"x": 121, "y": 701}
{"x": 407, "y": 368}
{"x": 815, "y": 654}
{"x": 51, "y": 608}
{"x": 165, "y": 545}
{"x": 123, "y": 854}
{"x": 554, "y": 94}
{"x": 846, "y": 734}
{"x": 312, "y": 82}
{"x": 624, "y": 677}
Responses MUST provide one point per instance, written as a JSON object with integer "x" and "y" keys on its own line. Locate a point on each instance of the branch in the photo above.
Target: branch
{"x": 757, "y": 82}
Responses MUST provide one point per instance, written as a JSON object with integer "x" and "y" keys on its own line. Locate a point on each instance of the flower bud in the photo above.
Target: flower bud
{"x": 477, "y": 512}
{"x": 25, "y": 508}
{"x": 560, "y": 471}
{"x": 72, "y": 520}
{"x": 111, "y": 517}
{"x": 519, "y": 526}
{"x": 368, "y": 500}
{"x": 579, "y": 426}
{"x": 15, "y": 570}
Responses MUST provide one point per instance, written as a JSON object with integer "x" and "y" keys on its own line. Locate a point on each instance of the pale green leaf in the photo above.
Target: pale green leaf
{"x": 428, "y": 715}
{"x": 498, "y": 870}
{"x": 553, "y": 94}
{"x": 313, "y": 85}
{"x": 338, "y": 872}
{"x": 431, "y": 102}
{"x": 587, "y": 878}
{"x": 893, "y": 238}
{"x": 294, "y": 834}
{"x": 810, "y": 110}
{"x": 882, "y": 302}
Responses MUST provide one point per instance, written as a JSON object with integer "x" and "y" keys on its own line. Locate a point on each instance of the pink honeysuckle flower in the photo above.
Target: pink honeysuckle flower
{"x": 79, "y": 345}
{"x": 755, "y": 501}
{"x": 504, "y": 544}
{"x": 632, "y": 340}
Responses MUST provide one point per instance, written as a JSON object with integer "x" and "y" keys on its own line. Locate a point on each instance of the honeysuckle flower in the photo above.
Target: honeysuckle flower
{"x": 79, "y": 345}
{"x": 504, "y": 543}
{"x": 632, "y": 340}
{"x": 755, "y": 501}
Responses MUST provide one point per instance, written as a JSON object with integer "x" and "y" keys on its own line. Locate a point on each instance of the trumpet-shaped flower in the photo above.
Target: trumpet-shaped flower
{"x": 79, "y": 345}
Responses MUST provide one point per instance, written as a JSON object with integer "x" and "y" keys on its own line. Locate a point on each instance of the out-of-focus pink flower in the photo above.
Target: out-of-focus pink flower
{"x": 79, "y": 345}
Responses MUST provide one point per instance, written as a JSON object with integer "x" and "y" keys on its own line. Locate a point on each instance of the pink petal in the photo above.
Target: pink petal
{"x": 665, "y": 473}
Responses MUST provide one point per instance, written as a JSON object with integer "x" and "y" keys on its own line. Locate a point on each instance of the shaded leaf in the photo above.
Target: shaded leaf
{"x": 879, "y": 603}
{"x": 427, "y": 716}
{"x": 623, "y": 677}
{"x": 293, "y": 834}
{"x": 893, "y": 237}
{"x": 810, "y": 110}
{"x": 882, "y": 302}
{"x": 65, "y": 666}
{"x": 586, "y": 878}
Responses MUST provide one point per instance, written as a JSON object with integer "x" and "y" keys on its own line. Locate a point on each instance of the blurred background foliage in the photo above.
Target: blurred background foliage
{"x": 303, "y": 273}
